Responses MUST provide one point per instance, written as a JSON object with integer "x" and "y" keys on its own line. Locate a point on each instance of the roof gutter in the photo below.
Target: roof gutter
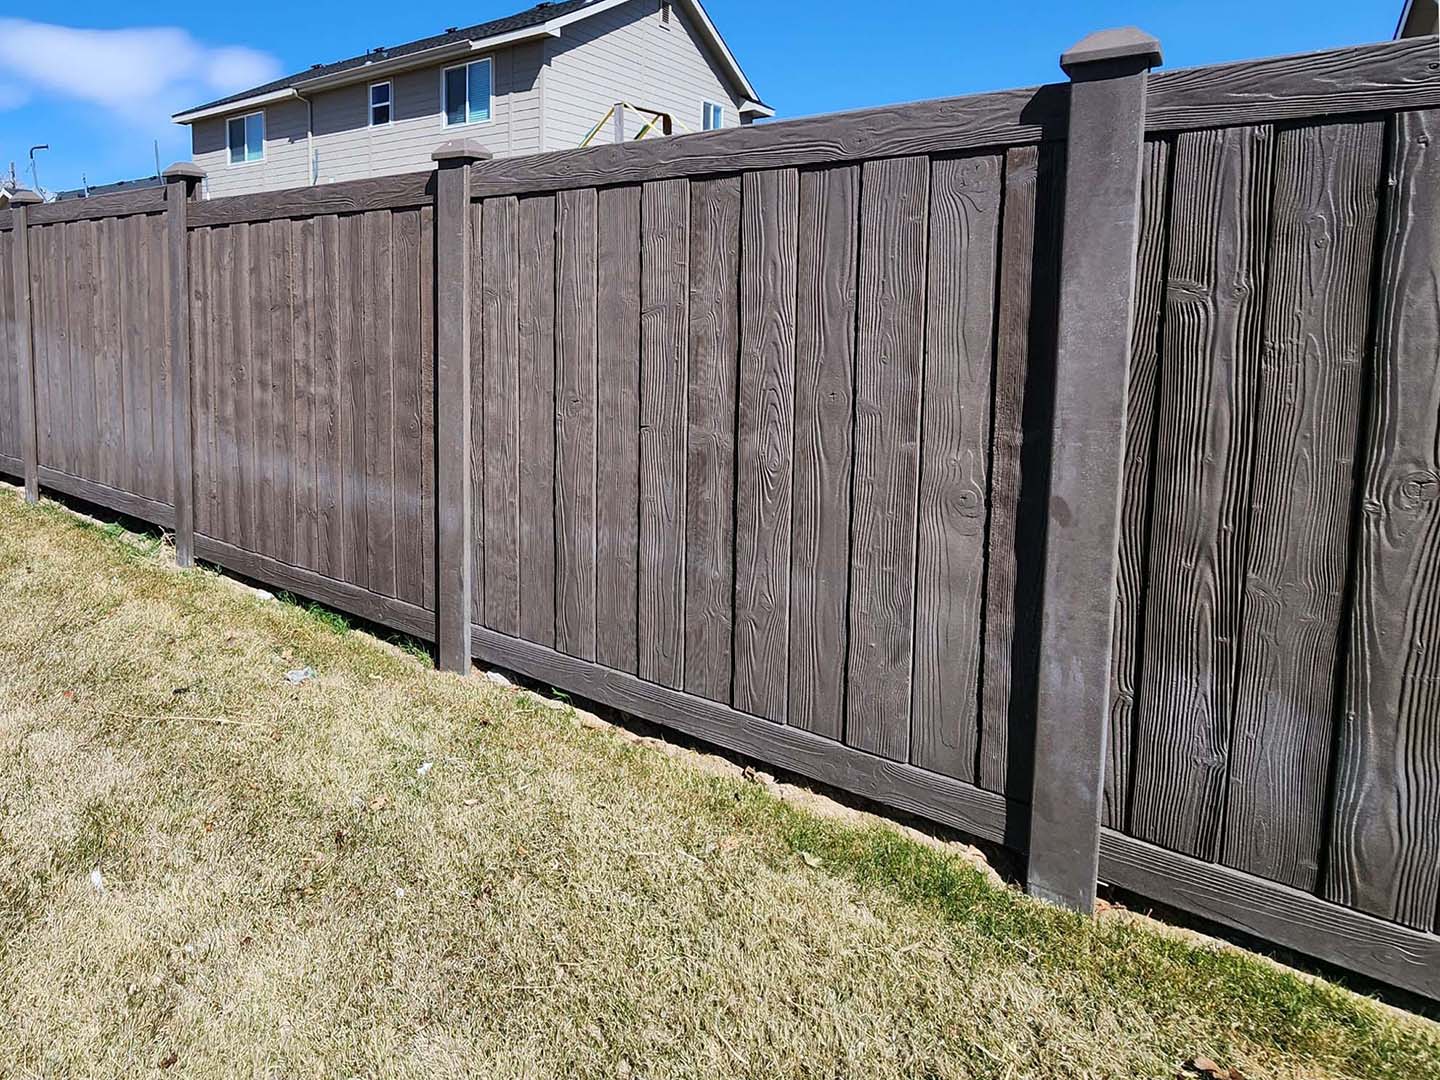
{"x": 368, "y": 71}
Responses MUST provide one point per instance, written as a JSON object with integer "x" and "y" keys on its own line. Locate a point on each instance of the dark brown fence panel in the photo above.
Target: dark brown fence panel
{"x": 1384, "y": 849}
{"x": 10, "y": 449}
{"x": 313, "y": 382}
{"x": 101, "y": 332}
{"x": 759, "y": 439}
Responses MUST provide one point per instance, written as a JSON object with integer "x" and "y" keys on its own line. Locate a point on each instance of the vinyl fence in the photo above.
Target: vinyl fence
{"x": 846, "y": 443}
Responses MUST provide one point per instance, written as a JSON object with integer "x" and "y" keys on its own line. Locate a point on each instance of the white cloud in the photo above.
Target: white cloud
{"x": 140, "y": 75}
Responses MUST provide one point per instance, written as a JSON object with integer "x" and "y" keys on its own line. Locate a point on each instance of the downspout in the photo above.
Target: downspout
{"x": 311, "y": 165}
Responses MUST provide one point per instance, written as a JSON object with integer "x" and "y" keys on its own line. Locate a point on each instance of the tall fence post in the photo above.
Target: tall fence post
{"x": 454, "y": 520}
{"x": 20, "y": 202}
{"x": 182, "y": 181}
{"x": 1097, "y": 289}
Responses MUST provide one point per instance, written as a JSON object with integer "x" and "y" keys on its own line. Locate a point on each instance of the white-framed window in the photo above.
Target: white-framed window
{"x": 245, "y": 136}
{"x": 714, "y": 118}
{"x": 465, "y": 92}
{"x": 381, "y": 110}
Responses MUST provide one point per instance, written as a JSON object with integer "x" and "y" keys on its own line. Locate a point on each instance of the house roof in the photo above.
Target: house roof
{"x": 544, "y": 19}
{"x": 1418, "y": 19}
{"x": 114, "y": 188}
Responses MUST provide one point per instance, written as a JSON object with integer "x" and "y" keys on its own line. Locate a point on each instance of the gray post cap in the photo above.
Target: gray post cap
{"x": 24, "y": 197}
{"x": 1123, "y": 43}
{"x": 184, "y": 170}
{"x": 461, "y": 150}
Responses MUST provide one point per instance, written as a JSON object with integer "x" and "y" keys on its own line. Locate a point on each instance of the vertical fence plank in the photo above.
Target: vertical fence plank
{"x": 1125, "y": 670}
{"x": 770, "y": 221}
{"x": 379, "y": 353}
{"x": 889, "y": 371}
{"x": 710, "y": 435}
{"x": 1024, "y": 367}
{"x": 664, "y": 318}
{"x": 617, "y": 496}
{"x": 181, "y": 182}
{"x": 413, "y": 381}
{"x": 955, "y": 447}
{"x": 1219, "y": 227}
{"x": 25, "y": 340}
{"x": 828, "y": 241}
{"x": 1384, "y": 854}
{"x": 263, "y": 362}
{"x": 536, "y": 342}
{"x": 329, "y": 468}
{"x": 427, "y": 399}
{"x": 453, "y": 490}
{"x": 1307, "y": 424}
{"x": 1097, "y": 288}
{"x": 282, "y": 392}
{"x": 500, "y": 402}
{"x": 575, "y": 398}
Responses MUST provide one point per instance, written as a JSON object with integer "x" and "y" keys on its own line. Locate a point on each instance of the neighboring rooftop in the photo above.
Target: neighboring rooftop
{"x": 119, "y": 186}
{"x": 1419, "y": 19}
{"x": 541, "y": 17}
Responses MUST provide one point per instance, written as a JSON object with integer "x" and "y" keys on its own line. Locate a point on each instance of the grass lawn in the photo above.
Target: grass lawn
{"x": 383, "y": 871}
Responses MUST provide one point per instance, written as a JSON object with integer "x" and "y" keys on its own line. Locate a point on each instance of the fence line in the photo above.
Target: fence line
{"x": 848, "y": 444}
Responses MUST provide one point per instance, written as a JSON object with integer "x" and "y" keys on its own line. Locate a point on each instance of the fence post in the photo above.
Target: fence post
{"x": 20, "y": 201}
{"x": 454, "y": 521}
{"x": 1097, "y": 286}
{"x": 181, "y": 183}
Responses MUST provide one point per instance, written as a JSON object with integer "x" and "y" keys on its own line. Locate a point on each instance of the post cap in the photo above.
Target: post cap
{"x": 1121, "y": 43}
{"x": 184, "y": 170}
{"x": 24, "y": 197}
{"x": 459, "y": 151}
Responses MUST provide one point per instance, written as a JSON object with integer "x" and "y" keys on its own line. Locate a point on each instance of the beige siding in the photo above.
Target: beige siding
{"x": 626, "y": 54}
{"x": 347, "y": 148}
{"x": 548, "y": 94}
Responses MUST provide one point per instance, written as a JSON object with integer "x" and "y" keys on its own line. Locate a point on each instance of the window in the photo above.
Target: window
{"x": 379, "y": 104}
{"x": 714, "y": 116}
{"x": 467, "y": 93}
{"x": 246, "y": 136}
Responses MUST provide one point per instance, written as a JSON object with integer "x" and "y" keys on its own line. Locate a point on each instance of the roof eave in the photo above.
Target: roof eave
{"x": 367, "y": 72}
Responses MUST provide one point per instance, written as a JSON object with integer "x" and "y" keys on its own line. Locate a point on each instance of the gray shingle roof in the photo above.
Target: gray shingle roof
{"x": 523, "y": 20}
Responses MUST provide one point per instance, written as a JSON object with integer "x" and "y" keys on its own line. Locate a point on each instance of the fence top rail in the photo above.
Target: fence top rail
{"x": 1387, "y": 77}
{"x": 397, "y": 192}
{"x": 1365, "y": 78}
{"x": 125, "y": 204}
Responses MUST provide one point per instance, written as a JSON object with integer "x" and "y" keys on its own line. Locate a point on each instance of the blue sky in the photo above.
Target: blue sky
{"x": 99, "y": 83}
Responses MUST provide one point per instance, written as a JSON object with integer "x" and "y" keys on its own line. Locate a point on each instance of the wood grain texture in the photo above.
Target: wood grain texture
{"x": 963, "y": 245}
{"x": 1307, "y": 424}
{"x": 1357, "y": 79}
{"x": 1214, "y": 303}
{"x": 576, "y": 268}
{"x": 889, "y": 373}
{"x": 1384, "y": 849}
{"x": 764, "y": 442}
{"x": 535, "y": 338}
{"x": 145, "y": 201}
{"x": 413, "y": 380}
{"x": 411, "y": 190}
{"x": 1020, "y": 463}
{"x": 827, "y": 261}
{"x": 664, "y": 322}
{"x": 496, "y": 416}
{"x": 1126, "y": 656}
{"x": 710, "y": 435}
{"x": 617, "y": 489}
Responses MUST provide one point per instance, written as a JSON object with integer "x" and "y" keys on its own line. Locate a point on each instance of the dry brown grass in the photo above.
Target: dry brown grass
{"x": 288, "y": 891}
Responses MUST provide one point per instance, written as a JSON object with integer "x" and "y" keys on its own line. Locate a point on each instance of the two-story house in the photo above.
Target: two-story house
{"x": 544, "y": 79}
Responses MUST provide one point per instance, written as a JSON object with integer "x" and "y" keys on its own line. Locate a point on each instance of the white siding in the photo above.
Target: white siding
{"x": 627, "y": 54}
{"x": 347, "y": 148}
